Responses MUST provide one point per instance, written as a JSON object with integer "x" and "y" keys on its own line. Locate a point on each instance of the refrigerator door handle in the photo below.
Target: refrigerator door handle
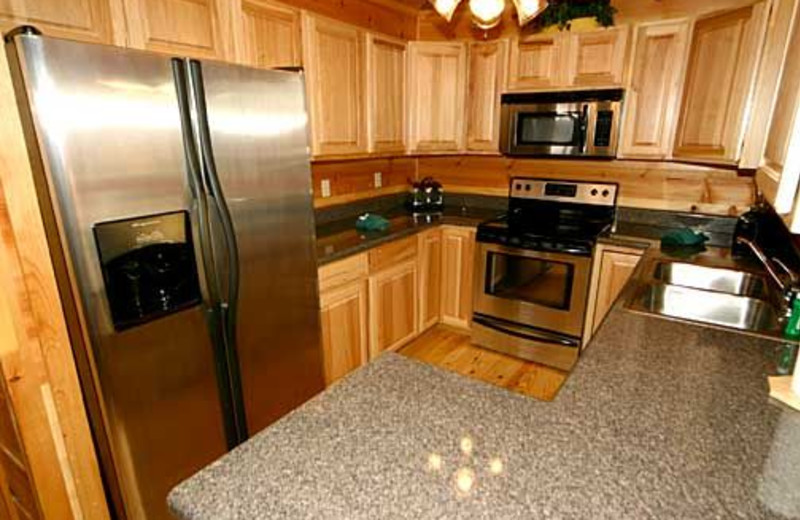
{"x": 229, "y": 301}
{"x": 214, "y": 315}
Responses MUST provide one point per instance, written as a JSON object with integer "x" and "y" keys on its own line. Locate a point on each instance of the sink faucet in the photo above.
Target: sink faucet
{"x": 789, "y": 289}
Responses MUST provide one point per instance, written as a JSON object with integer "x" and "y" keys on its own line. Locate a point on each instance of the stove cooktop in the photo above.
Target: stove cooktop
{"x": 553, "y": 216}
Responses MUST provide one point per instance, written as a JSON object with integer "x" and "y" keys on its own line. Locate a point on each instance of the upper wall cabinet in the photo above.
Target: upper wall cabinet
{"x": 487, "y": 79}
{"x": 719, "y": 82}
{"x": 386, "y": 85}
{"x": 781, "y": 160}
{"x": 597, "y": 58}
{"x": 269, "y": 36}
{"x": 537, "y": 62}
{"x": 186, "y": 27}
{"x": 437, "y": 80}
{"x": 333, "y": 54}
{"x": 86, "y": 20}
{"x": 569, "y": 60}
{"x": 780, "y": 24}
{"x": 652, "y": 95}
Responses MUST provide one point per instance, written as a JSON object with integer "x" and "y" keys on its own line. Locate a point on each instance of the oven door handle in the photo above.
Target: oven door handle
{"x": 527, "y": 332}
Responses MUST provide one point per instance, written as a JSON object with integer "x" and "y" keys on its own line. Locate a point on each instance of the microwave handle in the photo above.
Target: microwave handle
{"x": 584, "y": 127}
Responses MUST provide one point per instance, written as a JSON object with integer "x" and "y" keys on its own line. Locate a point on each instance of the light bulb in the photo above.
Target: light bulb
{"x": 445, "y": 8}
{"x": 527, "y": 10}
{"x": 487, "y": 13}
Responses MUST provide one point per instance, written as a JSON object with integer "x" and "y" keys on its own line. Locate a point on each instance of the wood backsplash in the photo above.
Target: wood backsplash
{"x": 652, "y": 185}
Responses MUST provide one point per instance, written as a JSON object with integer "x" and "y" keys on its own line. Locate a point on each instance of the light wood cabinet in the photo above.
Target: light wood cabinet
{"x": 652, "y": 95}
{"x": 393, "y": 307}
{"x": 780, "y": 166}
{"x": 536, "y": 62}
{"x": 333, "y": 54}
{"x": 458, "y": 260}
{"x": 343, "y": 315}
{"x": 269, "y": 35}
{"x": 184, "y": 27}
{"x": 86, "y": 20}
{"x": 612, "y": 268}
{"x": 345, "y": 342}
{"x": 569, "y": 60}
{"x": 386, "y": 85}
{"x": 597, "y": 58}
{"x": 487, "y": 79}
{"x": 723, "y": 54}
{"x": 430, "y": 278}
{"x": 437, "y": 83}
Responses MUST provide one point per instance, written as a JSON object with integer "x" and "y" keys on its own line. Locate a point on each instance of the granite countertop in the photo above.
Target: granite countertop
{"x": 339, "y": 239}
{"x": 660, "y": 419}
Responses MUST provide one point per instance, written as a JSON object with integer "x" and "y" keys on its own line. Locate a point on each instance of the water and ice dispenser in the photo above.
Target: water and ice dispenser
{"x": 149, "y": 267}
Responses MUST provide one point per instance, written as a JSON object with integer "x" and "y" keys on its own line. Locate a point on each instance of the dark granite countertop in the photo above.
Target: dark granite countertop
{"x": 339, "y": 239}
{"x": 660, "y": 419}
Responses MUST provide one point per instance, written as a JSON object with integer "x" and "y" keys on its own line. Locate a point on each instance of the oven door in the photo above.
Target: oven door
{"x": 546, "y": 291}
{"x": 545, "y": 129}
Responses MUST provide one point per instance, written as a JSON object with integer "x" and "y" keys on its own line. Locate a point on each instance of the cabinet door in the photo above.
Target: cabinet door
{"x": 85, "y": 20}
{"x": 719, "y": 81}
{"x": 185, "y": 27}
{"x": 344, "y": 330}
{"x": 270, "y": 35}
{"x": 393, "y": 307}
{"x": 386, "y": 84}
{"x": 458, "y": 260}
{"x": 438, "y": 72}
{"x": 782, "y": 152}
{"x": 430, "y": 277}
{"x": 652, "y": 99}
{"x": 597, "y": 58}
{"x": 536, "y": 62}
{"x": 333, "y": 54}
{"x": 487, "y": 78}
{"x": 615, "y": 270}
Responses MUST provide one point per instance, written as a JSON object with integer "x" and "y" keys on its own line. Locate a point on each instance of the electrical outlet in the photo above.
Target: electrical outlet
{"x": 378, "y": 176}
{"x": 326, "y": 188}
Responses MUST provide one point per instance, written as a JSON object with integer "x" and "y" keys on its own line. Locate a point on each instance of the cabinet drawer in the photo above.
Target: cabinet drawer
{"x": 341, "y": 273}
{"x": 392, "y": 254}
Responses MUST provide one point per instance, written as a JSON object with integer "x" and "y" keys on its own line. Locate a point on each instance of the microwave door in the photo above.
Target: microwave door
{"x": 550, "y": 129}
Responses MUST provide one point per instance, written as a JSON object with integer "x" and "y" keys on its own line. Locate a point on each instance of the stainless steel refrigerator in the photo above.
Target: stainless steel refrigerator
{"x": 177, "y": 196}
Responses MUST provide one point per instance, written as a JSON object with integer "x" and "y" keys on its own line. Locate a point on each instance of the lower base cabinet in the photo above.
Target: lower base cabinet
{"x": 612, "y": 268}
{"x": 382, "y": 299}
{"x": 393, "y": 307}
{"x": 343, "y": 318}
{"x": 458, "y": 261}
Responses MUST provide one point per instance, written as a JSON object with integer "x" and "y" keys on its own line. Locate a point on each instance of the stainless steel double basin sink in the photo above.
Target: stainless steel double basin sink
{"x": 711, "y": 295}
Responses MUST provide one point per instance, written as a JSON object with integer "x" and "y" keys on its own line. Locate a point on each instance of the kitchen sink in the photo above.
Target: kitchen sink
{"x": 707, "y": 306}
{"x": 711, "y": 279}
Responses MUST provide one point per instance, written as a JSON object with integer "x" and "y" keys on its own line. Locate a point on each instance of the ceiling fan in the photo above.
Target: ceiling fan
{"x": 486, "y": 14}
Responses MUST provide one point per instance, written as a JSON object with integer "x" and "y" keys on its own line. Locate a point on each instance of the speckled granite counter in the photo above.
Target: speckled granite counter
{"x": 340, "y": 239}
{"x": 660, "y": 419}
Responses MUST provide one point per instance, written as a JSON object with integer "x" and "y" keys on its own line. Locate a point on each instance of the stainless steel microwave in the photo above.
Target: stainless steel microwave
{"x": 561, "y": 124}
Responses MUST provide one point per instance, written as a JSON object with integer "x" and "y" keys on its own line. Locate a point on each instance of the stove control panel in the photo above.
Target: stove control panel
{"x": 577, "y": 192}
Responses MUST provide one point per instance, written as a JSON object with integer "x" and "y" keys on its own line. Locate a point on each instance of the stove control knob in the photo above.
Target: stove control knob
{"x": 605, "y": 193}
{"x": 518, "y": 187}
{"x": 594, "y": 192}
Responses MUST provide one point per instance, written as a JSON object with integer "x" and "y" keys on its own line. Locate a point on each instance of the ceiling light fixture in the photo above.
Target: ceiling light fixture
{"x": 487, "y": 14}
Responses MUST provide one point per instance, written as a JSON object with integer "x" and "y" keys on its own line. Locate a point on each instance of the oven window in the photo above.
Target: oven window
{"x": 531, "y": 280}
{"x": 548, "y": 128}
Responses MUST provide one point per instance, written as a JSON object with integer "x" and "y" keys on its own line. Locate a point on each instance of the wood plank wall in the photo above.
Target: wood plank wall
{"x": 643, "y": 184}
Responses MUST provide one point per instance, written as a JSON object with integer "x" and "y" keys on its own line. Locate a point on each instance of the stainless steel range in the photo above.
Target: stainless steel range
{"x": 534, "y": 266}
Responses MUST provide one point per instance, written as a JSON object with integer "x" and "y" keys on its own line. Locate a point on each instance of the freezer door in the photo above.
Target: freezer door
{"x": 257, "y": 126}
{"x": 107, "y": 127}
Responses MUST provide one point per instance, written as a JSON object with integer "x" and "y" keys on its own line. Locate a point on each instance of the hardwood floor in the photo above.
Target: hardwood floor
{"x": 450, "y": 349}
